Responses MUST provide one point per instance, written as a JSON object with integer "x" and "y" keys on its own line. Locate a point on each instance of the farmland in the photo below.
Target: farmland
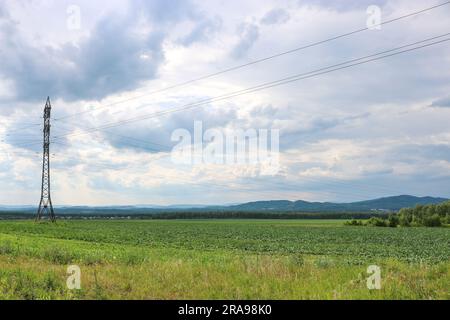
{"x": 226, "y": 259}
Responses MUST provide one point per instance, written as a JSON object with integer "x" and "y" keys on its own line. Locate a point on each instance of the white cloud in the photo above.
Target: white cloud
{"x": 354, "y": 134}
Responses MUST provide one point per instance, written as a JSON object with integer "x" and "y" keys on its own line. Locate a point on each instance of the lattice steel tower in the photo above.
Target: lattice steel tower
{"x": 45, "y": 205}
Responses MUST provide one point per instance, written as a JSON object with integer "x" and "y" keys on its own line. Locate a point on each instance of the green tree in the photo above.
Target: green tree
{"x": 432, "y": 221}
{"x": 393, "y": 221}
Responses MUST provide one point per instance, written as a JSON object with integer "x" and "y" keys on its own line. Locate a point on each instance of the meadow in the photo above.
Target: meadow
{"x": 221, "y": 259}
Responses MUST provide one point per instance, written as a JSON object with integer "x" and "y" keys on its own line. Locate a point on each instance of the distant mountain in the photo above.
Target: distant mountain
{"x": 382, "y": 204}
{"x": 17, "y": 208}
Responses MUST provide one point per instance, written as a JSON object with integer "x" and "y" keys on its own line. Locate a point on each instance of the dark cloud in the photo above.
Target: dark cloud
{"x": 276, "y": 16}
{"x": 115, "y": 57}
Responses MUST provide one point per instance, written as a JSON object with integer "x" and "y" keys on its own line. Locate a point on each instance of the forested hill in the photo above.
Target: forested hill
{"x": 378, "y": 205}
{"x": 381, "y": 204}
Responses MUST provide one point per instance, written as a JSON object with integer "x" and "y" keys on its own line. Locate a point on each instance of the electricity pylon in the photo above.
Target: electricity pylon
{"x": 45, "y": 205}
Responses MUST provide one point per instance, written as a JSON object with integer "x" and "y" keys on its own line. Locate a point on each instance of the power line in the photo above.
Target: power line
{"x": 123, "y": 137}
{"x": 264, "y": 86}
{"x": 388, "y": 55}
{"x": 257, "y": 61}
{"x": 314, "y": 44}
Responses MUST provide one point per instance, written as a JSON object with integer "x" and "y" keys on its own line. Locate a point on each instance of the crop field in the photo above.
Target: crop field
{"x": 221, "y": 259}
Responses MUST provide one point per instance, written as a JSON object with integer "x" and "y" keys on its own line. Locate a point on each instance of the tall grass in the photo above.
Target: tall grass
{"x": 243, "y": 261}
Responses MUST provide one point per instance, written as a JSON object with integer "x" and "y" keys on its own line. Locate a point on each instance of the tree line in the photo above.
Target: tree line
{"x": 433, "y": 215}
{"x": 138, "y": 215}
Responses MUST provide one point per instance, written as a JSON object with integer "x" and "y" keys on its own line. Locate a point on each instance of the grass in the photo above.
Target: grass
{"x": 226, "y": 259}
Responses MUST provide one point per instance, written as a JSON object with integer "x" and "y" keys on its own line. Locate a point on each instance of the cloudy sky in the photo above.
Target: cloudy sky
{"x": 112, "y": 69}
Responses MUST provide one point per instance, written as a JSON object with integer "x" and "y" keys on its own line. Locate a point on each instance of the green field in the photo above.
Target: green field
{"x": 221, "y": 259}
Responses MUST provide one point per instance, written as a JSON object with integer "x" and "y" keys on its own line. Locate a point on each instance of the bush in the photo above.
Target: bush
{"x": 447, "y": 219}
{"x": 353, "y": 223}
{"x": 377, "y": 222}
{"x": 404, "y": 220}
{"x": 432, "y": 221}
{"x": 393, "y": 221}
{"x": 425, "y": 216}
